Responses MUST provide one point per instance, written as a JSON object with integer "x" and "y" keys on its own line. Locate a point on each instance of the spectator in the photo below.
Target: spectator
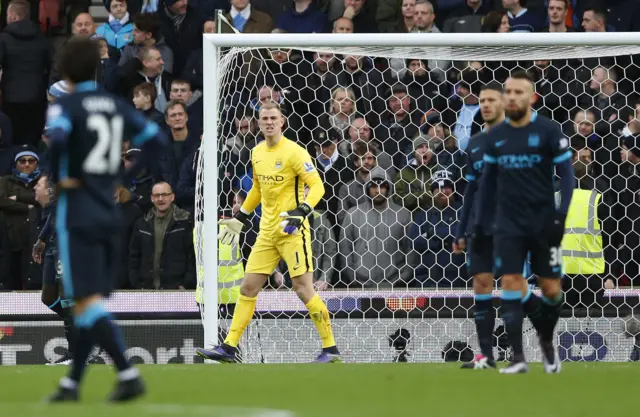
{"x": 109, "y": 65}
{"x": 397, "y": 125}
{"x": 351, "y": 194}
{"x": 146, "y": 33}
{"x": 604, "y": 149}
{"x": 184, "y": 141}
{"x": 238, "y": 146}
{"x": 148, "y": 68}
{"x": 192, "y": 71}
{"x": 467, "y": 18}
{"x": 180, "y": 23}
{"x": 552, "y": 87}
{"x": 342, "y": 25}
{"x": 522, "y": 19}
{"x": 324, "y": 248}
{"x": 333, "y": 169}
{"x": 446, "y": 153}
{"x": 412, "y": 184}
{"x": 594, "y": 20}
{"x": 362, "y": 14}
{"x": 25, "y": 58}
{"x": 341, "y": 111}
{"x": 130, "y": 214}
{"x": 181, "y": 91}
{"x": 557, "y": 13}
{"x": 305, "y": 18}
{"x": 361, "y": 131}
{"x": 16, "y": 199}
{"x": 392, "y": 18}
{"x": 611, "y": 103}
{"x": 140, "y": 188}
{"x": 426, "y": 93}
{"x": 161, "y": 254}
{"x": 374, "y": 240}
{"x": 6, "y": 143}
{"x": 496, "y": 22}
{"x": 6, "y": 279}
{"x": 118, "y": 32}
{"x": 433, "y": 237}
{"x": 424, "y": 18}
{"x": 468, "y": 93}
{"x": 319, "y": 83}
{"x": 247, "y": 19}
{"x": 144, "y": 95}
{"x": 360, "y": 76}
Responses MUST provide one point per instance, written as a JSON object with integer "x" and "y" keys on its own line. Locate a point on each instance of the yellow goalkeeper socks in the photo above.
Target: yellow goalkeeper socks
{"x": 241, "y": 318}
{"x": 320, "y": 317}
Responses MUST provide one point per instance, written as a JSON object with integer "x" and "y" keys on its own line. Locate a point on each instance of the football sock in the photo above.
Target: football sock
{"x": 551, "y": 309}
{"x": 320, "y": 317}
{"x": 67, "y": 317}
{"x": 83, "y": 347}
{"x": 485, "y": 321}
{"x": 241, "y": 318}
{"x": 532, "y": 306}
{"x": 513, "y": 316}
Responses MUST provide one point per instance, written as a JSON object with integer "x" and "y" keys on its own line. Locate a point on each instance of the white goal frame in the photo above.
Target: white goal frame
{"x": 445, "y": 46}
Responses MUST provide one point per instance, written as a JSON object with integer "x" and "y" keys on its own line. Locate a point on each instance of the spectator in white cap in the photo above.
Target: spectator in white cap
{"x": 16, "y": 199}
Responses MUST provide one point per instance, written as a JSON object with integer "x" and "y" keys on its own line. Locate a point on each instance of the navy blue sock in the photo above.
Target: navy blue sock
{"x": 532, "y": 306}
{"x": 513, "y": 315}
{"x": 70, "y": 334}
{"x": 109, "y": 337}
{"x": 82, "y": 349}
{"x": 485, "y": 318}
{"x": 550, "y": 312}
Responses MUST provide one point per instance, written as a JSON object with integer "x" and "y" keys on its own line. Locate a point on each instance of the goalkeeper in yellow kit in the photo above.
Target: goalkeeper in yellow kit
{"x": 281, "y": 168}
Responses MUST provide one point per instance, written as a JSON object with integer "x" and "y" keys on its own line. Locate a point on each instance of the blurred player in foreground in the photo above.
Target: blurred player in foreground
{"x": 517, "y": 201}
{"x": 87, "y": 129}
{"x": 480, "y": 260}
{"x": 281, "y": 168}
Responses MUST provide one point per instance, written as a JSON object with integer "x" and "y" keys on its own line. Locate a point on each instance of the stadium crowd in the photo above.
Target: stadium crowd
{"x": 389, "y": 136}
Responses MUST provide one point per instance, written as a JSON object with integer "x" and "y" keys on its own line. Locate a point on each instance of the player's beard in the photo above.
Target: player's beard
{"x": 516, "y": 115}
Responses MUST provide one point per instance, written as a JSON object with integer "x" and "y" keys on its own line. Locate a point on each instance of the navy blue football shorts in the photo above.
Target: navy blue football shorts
{"x": 511, "y": 254}
{"x": 87, "y": 256}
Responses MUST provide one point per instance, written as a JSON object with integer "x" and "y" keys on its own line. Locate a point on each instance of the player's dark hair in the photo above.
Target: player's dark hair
{"x": 522, "y": 75}
{"x": 79, "y": 59}
{"x": 21, "y": 8}
{"x": 148, "y": 23}
{"x": 146, "y": 89}
{"x": 171, "y": 104}
{"x": 493, "y": 86}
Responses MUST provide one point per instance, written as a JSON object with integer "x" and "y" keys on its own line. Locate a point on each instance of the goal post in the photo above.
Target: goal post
{"x": 221, "y": 54}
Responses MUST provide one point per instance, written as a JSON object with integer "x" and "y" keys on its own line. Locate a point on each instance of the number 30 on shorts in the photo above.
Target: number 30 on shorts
{"x": 555, "y": 256}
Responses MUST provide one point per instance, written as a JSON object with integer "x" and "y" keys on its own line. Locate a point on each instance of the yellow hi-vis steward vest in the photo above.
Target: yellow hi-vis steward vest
{"x": 582, "y": 251}
{"x": 230, "y": 275}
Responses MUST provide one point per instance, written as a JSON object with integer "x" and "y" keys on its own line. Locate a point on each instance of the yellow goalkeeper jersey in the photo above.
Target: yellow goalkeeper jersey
{"x": 279, "y": 176}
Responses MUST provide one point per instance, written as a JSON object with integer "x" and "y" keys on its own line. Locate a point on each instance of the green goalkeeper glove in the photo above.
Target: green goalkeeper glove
{"x": 230, "y": 234}
{"x": 293, "y": 219}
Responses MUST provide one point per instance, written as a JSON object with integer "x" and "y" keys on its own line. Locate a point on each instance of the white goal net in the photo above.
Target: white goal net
{"x": 405, "y": 111}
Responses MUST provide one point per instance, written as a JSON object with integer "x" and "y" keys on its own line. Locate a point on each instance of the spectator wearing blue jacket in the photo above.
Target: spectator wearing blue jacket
{"x": 304, "y": 18}
{"x": 433, "y": 235}
{"x": 118, "y": 32}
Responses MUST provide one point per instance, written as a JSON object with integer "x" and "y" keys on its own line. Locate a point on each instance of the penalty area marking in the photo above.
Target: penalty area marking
{"x": 212, "y": 410}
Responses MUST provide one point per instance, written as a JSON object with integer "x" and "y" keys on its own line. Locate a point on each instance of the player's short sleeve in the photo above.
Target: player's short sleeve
{"x": 58, "y": 123}
{"x": 303, "y": 165}
{"x": 560, "y": 148}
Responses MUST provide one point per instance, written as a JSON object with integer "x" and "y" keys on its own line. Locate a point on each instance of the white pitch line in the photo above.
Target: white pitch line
{"x": 213, "y": 410}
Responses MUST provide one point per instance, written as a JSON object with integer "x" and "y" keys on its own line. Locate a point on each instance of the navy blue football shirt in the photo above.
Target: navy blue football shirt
{"x": 87, "y": 129}
{"x": 474, "y": 165}
{"x": 525, "y": 158}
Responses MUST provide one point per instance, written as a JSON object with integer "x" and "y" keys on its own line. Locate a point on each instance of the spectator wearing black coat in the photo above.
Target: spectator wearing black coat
{"x": 186, "y": 188}
{"x": 6, "y": 143}
{"x": 161, "y": 254}
{"x": 193, "y": 69}
{"x": 184, "y": 141}
{"x": 180, "y": 26}
{"x": 181, "y": 91}
{"x": 5, "y": 256}
{"x": 140, "y": 188}
{"x": 25, "y": 57}
{"x": 130, "y": 213}
{"x": 144, "y": 96}
{"x": 149, "y": 67}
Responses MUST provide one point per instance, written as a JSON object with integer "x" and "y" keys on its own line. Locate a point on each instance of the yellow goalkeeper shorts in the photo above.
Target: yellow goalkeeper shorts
{"x": 295, "y": 250}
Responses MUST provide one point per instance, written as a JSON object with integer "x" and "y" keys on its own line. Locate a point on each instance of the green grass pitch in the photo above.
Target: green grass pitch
{"x": 335, "y": 390}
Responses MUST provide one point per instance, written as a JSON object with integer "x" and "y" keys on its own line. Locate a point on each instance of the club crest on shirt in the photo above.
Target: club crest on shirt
{"x": 308, "y": 167}
{"x": 278, "y": 164}
{"x": 534, "y": 140}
